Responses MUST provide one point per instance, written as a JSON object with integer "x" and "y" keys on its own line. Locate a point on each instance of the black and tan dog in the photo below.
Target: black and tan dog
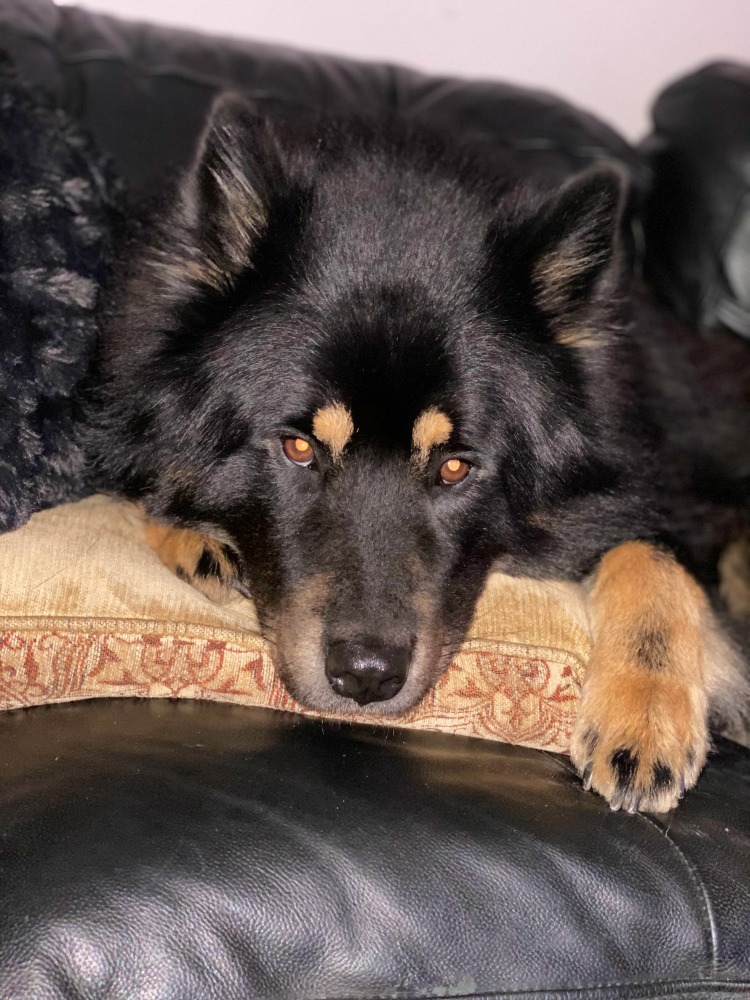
{"x": 351, "y": 372}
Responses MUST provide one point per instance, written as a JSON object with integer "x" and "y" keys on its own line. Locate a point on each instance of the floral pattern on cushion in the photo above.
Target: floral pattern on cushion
{"x": 87, "y": 611}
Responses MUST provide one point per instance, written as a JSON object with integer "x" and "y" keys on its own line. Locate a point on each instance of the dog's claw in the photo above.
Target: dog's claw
{"x": 586, "y": 777}
{"x": 615, "y": 803}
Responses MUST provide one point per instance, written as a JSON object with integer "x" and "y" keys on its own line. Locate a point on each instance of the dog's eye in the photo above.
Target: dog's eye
{"x": 298, "y": 450}
{"x": 455, "y": 470}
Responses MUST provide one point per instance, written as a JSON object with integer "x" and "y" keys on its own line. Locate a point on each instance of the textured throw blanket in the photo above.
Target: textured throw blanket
{"x": 57, "y": 208}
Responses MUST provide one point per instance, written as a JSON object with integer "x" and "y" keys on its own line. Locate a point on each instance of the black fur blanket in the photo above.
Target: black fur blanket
{"x": 57, "y": 207}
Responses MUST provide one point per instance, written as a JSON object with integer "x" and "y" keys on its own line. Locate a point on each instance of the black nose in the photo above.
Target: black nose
{"x": 366, "y": 671}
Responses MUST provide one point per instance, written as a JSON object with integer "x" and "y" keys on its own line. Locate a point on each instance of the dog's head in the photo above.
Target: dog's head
{"x": 371, "y": 369}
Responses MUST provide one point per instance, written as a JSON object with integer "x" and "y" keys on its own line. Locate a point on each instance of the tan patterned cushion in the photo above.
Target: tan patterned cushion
{"x": 87, "y": 611}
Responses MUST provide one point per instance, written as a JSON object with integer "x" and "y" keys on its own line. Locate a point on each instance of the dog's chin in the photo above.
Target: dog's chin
{"x": 306, "y": 682}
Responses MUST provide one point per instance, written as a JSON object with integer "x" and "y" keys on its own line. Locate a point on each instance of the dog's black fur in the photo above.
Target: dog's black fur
{"x": 380, "y": 268}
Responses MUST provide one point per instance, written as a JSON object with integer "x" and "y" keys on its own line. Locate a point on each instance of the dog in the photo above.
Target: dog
{"x": 349, "y": 371}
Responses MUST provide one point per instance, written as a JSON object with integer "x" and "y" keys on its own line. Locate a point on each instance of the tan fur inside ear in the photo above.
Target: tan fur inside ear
{"x": 556, "y": 271}
{"x": 553, "y": 276}
{"x": 579, "y": 261}
{"x": 581, "y": 338}
{"x": 173, "y": 270}
{"x": 333, "y": 426}
{"x": 246, "y": 214}
{"x": 243, "y": 221}
{"x": 431, "y": 428}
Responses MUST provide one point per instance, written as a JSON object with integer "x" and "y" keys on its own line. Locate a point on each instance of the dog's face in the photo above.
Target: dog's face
{"x": 369, "y": 371}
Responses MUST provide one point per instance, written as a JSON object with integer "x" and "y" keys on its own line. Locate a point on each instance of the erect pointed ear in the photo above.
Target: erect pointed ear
{"x": 575, "y": 246}
{"x": 227, "y": 193}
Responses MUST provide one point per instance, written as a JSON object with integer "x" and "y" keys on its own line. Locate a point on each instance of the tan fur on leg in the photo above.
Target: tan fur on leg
{"x": 641, "y": 735}
{"x": 206, "y": 563}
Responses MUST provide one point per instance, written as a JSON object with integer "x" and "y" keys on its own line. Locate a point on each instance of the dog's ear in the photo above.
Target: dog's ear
{"x": 574, "y": 241}
{"x": 226, "y": 198}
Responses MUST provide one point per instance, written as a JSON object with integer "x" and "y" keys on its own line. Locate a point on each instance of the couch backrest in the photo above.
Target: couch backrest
{"x": 144, "y": 93}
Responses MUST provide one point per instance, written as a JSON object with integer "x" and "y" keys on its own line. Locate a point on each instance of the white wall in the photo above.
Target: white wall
{"x": 610, "y": 56}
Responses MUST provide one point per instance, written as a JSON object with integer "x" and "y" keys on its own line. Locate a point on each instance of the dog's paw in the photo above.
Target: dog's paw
{"x": 639, "y": 740}
{"x": 209, "y": 565}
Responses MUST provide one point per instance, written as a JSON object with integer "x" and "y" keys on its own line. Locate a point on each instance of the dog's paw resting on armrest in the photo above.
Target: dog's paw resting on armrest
{"x": 658, "y": 661}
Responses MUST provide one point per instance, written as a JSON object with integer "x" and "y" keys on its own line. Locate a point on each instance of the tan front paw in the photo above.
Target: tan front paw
{"x": 209, "y": 565}
{"x": 640, "y": 740}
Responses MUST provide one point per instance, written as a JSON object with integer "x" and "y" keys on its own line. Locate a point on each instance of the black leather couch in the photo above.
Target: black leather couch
{"x": 185, "y": 851}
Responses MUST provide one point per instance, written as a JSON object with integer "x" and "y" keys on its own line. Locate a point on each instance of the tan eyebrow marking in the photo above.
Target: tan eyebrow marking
{"x": 334, "y": 427}
{"x": 581, "y": 338}
{"x": 432, "y": 427}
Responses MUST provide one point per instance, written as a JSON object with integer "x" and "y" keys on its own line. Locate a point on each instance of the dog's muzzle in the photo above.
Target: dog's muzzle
{"x": 367, "y": 671}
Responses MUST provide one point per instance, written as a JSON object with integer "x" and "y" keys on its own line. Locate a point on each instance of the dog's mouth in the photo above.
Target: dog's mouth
{"x": 353, "y": 670}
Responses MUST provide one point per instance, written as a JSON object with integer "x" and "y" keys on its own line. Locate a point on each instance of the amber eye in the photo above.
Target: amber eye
{"x": 298, "y": 450}
{"x": 455, "y": 470}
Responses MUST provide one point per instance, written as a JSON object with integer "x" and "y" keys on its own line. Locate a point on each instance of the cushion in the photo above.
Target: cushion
{"x": 57, "y": 207}
{"x": 87, "y": 610}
